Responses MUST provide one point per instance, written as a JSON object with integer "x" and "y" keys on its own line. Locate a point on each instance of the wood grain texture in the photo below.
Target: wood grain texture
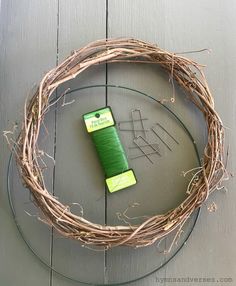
{"x": 35, "y": 36}
{"x": 185, "y": 26}
{"x": 28, "y": 50}
{"x": 211, "y": 247}
{"x": 78, "y": 175}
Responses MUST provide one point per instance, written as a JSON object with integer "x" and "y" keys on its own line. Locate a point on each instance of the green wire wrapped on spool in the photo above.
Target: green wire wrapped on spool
{"x": 101, "y": 124}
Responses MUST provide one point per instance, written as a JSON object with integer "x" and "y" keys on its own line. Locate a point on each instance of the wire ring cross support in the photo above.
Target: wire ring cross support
{"x": 189, "y": 75}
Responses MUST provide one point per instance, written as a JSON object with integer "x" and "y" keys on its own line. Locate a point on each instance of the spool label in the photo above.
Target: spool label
{"x": 121, "y": 181}
{"x": 98, "y": 119}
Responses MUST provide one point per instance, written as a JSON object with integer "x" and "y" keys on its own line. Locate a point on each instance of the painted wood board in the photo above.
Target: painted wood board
{"x": 53, "y": 31}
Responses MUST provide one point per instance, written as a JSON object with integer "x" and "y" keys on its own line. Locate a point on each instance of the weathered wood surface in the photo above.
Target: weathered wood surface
{"x": 34, "y": 37}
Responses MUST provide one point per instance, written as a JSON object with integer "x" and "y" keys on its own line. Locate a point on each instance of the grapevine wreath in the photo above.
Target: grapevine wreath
{"x": 189, "y": 75}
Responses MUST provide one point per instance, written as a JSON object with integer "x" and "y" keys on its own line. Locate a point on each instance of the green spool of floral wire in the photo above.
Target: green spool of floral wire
{"x": 101, "y": 124}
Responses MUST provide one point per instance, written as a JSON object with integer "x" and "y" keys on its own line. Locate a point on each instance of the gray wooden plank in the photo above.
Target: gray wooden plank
{"x": 28, "y": 33}
{"x": 78, "y": 174}
{"x": 211, "y": 248}
{"x": 159, "y": 23}
{"x": 132, "y": 19}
